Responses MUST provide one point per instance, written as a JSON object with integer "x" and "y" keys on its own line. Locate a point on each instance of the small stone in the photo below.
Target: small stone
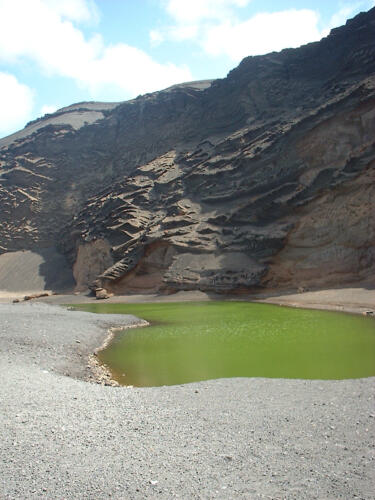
{"x": 101, "y": 293}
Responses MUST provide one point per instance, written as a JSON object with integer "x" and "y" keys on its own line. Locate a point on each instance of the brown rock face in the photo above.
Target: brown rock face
{"x": 262, "y": 179}
{"x": 92, "y": 259}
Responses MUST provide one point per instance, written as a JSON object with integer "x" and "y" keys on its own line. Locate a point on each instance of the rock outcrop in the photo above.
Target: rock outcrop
{"x": 262, "y": 179}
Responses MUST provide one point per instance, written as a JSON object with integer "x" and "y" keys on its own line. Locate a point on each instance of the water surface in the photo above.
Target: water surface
{"x": 194, "y": 341}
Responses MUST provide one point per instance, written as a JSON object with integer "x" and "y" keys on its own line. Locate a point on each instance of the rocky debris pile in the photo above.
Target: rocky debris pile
{"x": 101, "y": 293}
{"x": 31, "y": 297}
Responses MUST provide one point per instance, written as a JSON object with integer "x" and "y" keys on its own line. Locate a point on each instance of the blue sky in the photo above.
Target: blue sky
{"x": 57, "y": 52}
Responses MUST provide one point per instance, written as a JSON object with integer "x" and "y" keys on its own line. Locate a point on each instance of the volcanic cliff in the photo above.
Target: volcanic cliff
{"x": 264, "y": 179}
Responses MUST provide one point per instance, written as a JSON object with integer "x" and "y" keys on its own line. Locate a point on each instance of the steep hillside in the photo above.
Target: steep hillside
{"x": 262, "y": 179}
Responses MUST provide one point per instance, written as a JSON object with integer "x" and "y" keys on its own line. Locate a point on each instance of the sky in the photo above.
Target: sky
{"x": 57, "y": 52}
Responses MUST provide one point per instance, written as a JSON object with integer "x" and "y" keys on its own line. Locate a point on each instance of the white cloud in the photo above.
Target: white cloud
{"x": 130, "y": 69}
{"x": 349, "y": 10}
{"x": 75, "y": 10}
{"x": 262, "y": 33}
{"x": 342, "y": 15}
{"x": 48, "y": 109}
{"x": 16, "y": 102}
{"x": 184, "y": 32}
{"x": 46, "y": 33}
{"x": 194, "y": 11}
{"x": 191, "y": 17}
{"x": 156, "y": 37}
{"x": 215, "y": 26}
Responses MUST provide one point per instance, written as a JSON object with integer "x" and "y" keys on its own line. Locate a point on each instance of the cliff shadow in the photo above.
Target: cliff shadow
{"x": 55, "y": 271}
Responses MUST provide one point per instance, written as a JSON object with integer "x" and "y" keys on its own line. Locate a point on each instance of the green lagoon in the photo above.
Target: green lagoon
{"x": 194, "y": 341}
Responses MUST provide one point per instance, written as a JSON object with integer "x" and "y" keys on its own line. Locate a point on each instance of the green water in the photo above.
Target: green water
{"x": 198, "y": 341}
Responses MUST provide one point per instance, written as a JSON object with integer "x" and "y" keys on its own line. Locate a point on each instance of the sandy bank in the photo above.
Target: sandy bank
{"x": 62, "y": 437}
{"x": 351, "y": 299}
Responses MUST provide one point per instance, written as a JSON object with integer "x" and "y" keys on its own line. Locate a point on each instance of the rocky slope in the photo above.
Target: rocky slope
{"x": 262, "y": 179}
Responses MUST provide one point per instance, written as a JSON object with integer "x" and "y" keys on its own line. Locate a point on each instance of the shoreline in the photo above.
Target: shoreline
{"x": 357, "y": 300}
{"x": 227, "y": 438}
{"x": 349, "y": 301}
{"x": 100, "y": 371}
{"x": 345, "y": 300}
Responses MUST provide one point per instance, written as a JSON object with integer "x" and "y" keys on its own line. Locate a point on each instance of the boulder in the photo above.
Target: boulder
{"x": 101, "y": 293}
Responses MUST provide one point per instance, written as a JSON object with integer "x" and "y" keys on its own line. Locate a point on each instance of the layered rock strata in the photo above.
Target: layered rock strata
{"x": 262, "y": 179}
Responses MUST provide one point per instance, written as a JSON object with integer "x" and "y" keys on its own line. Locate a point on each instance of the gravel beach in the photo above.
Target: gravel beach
{"x": 65, "y": 438}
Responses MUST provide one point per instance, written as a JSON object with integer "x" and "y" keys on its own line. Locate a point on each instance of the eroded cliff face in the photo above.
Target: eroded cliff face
{"x": 263, "y": 179}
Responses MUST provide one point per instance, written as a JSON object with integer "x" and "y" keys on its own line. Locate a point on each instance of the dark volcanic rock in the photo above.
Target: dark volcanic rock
{"x": 264, "y": 178}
